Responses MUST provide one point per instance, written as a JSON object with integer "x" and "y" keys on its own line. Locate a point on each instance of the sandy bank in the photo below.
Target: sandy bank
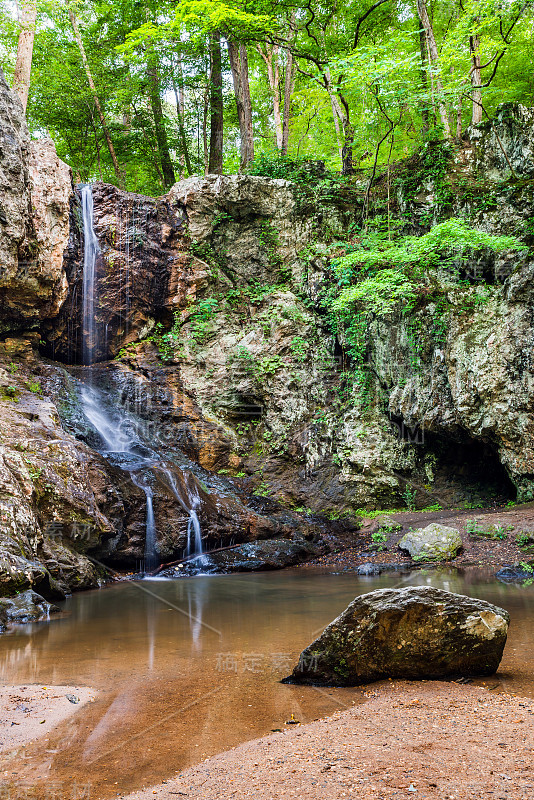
{"x": 411, "y": 739}
{"x": 30, "y": 711}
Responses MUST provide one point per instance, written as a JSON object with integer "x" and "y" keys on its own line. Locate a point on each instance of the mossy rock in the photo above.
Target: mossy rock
{"x": 434, "y": 543}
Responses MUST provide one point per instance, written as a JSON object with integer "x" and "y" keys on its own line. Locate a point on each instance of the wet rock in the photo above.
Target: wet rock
{"x": 434, "y": 543}
{"x": 517, "y": 573}
{"x": 415, "y": 632}
{"x": 370, "y": 568}
{"x": 25, "y": 607}
{"x": 265, "y": 555}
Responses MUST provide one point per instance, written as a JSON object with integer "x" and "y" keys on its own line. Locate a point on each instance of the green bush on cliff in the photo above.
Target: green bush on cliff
{"x": 444, "y": 245}
{"x": 380, "y": 275}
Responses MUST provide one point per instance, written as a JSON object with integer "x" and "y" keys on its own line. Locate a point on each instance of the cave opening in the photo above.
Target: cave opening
{"x": 463, "y": 471}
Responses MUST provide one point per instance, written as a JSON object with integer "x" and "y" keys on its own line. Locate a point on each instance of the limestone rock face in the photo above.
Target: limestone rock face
{"x": 51, "y": 196}
{"x": 434, "y": 543}
{"x": 505, "y": 144}
{"x": 57, "y": 498}
{"x": 415, "y": 632}
{"x": 17, "y": 238}
{"x": 35, "y": 192}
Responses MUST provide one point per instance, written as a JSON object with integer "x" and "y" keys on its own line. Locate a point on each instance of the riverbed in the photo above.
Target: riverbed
{"x": 188, "y": 668}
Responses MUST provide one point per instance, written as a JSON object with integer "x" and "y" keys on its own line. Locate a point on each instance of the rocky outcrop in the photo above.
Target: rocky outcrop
{"x": 26, "y": 607}
{"x": 434, "y": 543}
{"x": 504, "y": 145}
{"x": 416, "y": 632}
{"x": 208, "y": 299}
{"x": 34, "y": 222}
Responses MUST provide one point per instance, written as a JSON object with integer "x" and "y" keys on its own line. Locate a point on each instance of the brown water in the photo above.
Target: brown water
{"x": 189, "y": 668}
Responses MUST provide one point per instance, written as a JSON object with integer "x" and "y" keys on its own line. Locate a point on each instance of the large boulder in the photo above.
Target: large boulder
{"x": 26, "y": 607}
{"x": 415, "y": 632}
{"x": 434, "y": 543}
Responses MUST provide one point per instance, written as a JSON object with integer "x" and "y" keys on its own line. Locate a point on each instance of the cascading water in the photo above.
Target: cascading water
{"x": 116, "y": 430}
{"x": 194, "y": 533}
{"x": 90, "y": 253}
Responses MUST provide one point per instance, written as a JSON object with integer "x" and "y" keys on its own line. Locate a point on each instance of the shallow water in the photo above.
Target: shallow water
{"x": 189, "y": 668}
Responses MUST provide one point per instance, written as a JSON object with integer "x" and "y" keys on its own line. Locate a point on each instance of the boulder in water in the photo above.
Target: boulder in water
{"x": 265, "y": 554}
{"x": 434, "y": 543}
{"x": 414, "y": 632}
{"x": 27, "y": 606}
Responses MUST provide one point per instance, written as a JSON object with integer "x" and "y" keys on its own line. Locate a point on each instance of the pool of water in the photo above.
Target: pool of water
{"x": 188, "y": 668}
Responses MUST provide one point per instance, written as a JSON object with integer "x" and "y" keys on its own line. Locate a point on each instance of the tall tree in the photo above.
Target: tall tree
{"x": 167, "y": 169}
{"x": 215, "y": 162}
{"x": 27, "y": 10}
{"x": 237, "y": 52}
{"x": 91, "y": 83}
{"x": 434, "y": 62}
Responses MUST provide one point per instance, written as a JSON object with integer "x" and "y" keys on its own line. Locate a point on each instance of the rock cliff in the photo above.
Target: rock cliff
{"x": 209, "y": 303}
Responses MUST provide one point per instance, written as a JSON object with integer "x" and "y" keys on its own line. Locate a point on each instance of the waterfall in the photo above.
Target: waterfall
{"x": 120, "y": 437}
{"x": 194, "y": 532}
{"x": 90, "y": 252}
{"x": 151, "y": 559}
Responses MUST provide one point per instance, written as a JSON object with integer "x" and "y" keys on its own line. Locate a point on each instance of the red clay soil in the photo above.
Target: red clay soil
{"x": 410, "y": 739}
{"x": 351, "y": 549}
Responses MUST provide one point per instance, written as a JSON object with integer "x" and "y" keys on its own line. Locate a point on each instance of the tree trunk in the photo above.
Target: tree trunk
{"x": 425, "y": 116}
{"x": 92, "y": 86}
{"x": 271, "y": 58}
{"x": 180, "y": 111}
{"x": 341, "y": 108}
{"x": 239, "y": 65}
{"x": 215, "y": 162}
{"x": 205, "y": 110}
{"x": 476, "y": 80}
{"x": 434, "y": 58}
{"x": 23, "y": 66}
{"x": 337, "y": 111}
{"x": 348, "y": 144}
{"x": 169, "y": 178}
{"x": 289, "y": 84}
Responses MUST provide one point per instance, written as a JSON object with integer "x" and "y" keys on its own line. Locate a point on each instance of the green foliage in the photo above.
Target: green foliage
{"x": 201, "y": 319}
{"x": 269, "y": 366}
{"x": 410, "y": 275}
{"x": 496, "y": 532}
{"x": 299, "y": 348}
{"x": 409, "y": 496}
{"x": 444, "y": 246}
{"x": 524, "y": 539}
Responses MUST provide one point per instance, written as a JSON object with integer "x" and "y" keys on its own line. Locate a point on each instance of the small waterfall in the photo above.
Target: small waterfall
{"x": 151, "y": 554}
{"x": 111, "y": 431}
{"x": 151, "y": 559}
{"x": 194, "y": 532}
{"x": 90, "y": 252}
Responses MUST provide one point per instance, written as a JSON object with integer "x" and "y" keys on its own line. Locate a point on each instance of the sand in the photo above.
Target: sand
{"x": 410, "y": 739}
{"x": 31, "y": 711}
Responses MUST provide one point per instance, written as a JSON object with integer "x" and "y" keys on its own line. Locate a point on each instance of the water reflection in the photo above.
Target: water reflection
{"x": 188, "y": 668}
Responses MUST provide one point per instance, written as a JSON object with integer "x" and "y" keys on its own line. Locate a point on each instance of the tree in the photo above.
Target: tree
{"x": 433, "y": 58}
{"x": 21, "y": 80}
{"x": 215, "y": 163}
{"x": 91, "y": 83}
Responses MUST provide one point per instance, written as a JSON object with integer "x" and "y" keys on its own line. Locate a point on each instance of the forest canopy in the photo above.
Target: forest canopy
{"x": 142, "y": 93}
